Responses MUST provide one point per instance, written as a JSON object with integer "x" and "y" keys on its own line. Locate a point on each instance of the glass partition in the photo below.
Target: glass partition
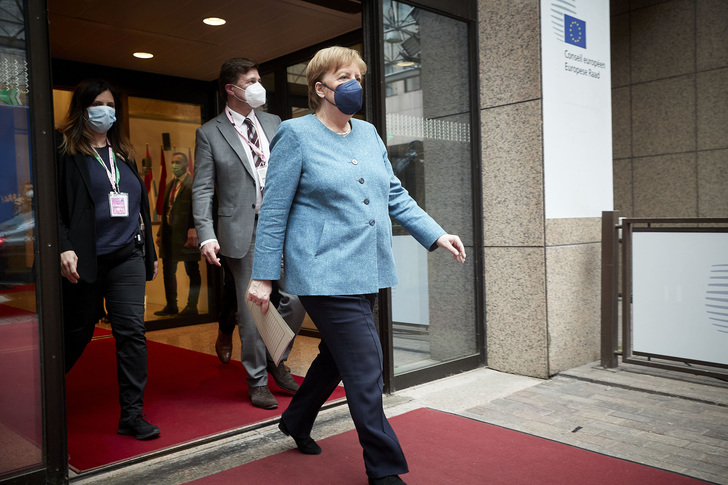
{"x": 21, "y": 428}
{"x": 429, "y": 143}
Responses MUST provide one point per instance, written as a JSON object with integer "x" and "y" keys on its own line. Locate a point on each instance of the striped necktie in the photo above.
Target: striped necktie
{"x": 253, "y": 138}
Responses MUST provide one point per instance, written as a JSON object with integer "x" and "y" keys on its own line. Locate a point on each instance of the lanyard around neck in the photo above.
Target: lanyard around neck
{"x": 114, "y": 181}
{"x": 258, "y": 151}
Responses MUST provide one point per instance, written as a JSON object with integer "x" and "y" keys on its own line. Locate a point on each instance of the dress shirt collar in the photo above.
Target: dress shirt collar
{"x": 240, "y": 119}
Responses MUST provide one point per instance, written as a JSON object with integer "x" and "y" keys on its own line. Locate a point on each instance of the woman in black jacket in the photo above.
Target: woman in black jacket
{"x": 106, "y": 253}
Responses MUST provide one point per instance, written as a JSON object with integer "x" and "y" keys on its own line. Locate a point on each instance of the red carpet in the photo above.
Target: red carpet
{"x": 189, "y": 395}
{"x": 20, "y": 401}
{"x": 442, "y": 449}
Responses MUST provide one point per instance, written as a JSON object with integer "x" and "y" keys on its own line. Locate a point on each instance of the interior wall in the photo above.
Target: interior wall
{"x": 670, "y": 107}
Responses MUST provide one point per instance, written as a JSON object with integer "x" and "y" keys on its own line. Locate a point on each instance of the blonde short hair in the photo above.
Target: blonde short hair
{"x": 329, "y": 60}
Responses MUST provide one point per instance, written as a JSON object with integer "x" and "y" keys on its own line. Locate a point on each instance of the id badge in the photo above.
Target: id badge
{"x": 119, "y": 204}
{"x": 262, "y": 171}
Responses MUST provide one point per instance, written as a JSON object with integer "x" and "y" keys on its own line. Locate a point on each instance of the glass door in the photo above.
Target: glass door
{"x": 427, "y": 82}
{"x": 31, "y": 410}
{"x": 21, "y": 430}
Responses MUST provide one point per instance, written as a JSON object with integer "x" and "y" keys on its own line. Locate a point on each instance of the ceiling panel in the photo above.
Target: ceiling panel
{"x": 108, "y": 32}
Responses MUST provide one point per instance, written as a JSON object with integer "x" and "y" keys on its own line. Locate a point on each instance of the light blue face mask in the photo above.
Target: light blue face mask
{"x": 101, "y": 118}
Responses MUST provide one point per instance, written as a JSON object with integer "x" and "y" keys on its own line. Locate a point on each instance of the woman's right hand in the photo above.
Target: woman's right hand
{"x": 69, "y": 260}
{"x": 259, "y": 293}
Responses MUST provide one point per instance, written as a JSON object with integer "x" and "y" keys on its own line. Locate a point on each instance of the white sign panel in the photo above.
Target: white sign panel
{"x": 577, "y": 108}
{"x": 680, "y": 295}
{"x": 410, "y": 299}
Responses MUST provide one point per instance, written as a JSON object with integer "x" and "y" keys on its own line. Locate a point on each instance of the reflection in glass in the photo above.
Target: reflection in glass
{"x": 429, "y": 145}
{"x": 165, "y": 133}
{"x": 21, "y": 429}
{"x": 298, "y": 90}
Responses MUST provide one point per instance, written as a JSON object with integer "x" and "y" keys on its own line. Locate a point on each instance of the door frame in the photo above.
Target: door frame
{"x": 54, "y": 465}
{"x": 375, "y": 104}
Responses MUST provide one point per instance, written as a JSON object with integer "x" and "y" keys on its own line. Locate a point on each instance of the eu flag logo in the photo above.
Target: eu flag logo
{"x": 574, "y": 31}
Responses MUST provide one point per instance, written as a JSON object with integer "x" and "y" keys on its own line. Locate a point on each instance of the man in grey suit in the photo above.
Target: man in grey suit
{"x": 231, "y": 157}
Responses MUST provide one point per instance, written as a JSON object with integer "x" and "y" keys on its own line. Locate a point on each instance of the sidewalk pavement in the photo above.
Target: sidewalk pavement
{"x": 665, "y": 419}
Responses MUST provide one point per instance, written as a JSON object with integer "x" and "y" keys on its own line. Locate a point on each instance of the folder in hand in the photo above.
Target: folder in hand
{"x": 274, "y": 331}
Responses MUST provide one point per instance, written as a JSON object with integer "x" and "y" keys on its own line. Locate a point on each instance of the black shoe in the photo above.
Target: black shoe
{"x": 389, "y": 480}
{"x": 306, "y": 445}
{"x": 189, "y": 310}
{"x": 282, "y": 377}
{"x": 138, "y": 427}
{"x": 261, "y": 397}
{"x": 167, "y": 311}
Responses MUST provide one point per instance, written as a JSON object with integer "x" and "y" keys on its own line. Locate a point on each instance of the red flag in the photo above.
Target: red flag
{"x": 148, "y": 171}
{"x": 191, "y": 166}
{"x": 162, "y": 185}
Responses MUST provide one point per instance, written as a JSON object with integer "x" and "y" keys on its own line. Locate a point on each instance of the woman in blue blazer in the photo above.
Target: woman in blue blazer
{"x": 329, "y": 196}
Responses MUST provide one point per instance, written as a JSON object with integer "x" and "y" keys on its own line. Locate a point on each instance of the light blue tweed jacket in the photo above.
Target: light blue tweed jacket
{"x": 327, "y": 207}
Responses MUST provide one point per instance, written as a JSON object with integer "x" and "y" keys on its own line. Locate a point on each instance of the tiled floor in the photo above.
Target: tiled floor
{"x": 410, "y": 353}
{"x": 201, "y": 338}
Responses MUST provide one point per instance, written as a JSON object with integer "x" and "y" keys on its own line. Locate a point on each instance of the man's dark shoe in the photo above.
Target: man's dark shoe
{"x": 138, "y": 427}
{"x": 306, "y": 445}
{"x": 189, "y": 310}
{"x": 167, "y": 311}
{"x": 261, "y": 397}
{"x": 224, "y": 346}
{"x": 282, "y": 377}
{"x": 389, "y": 480}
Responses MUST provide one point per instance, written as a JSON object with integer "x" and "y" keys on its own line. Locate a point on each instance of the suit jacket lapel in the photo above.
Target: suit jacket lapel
{"x": 233, "y": 139}
{"x": 80, "y": 160}
{"x": 184, "y": 187}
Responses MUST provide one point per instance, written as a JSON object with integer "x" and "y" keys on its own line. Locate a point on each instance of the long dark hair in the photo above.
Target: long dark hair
{"x": 77, "y": 136}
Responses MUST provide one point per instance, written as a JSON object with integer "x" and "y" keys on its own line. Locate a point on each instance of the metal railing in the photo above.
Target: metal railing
{"x": 618, "y": 284}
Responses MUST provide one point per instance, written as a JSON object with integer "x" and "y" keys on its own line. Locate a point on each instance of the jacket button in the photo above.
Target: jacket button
{"x": 253, "y": 206}
{"x": 361, "y": 181}
{"x": 371, "y": 223}
{"x": 354, "y": 161}
{"x": 366, "y": 201}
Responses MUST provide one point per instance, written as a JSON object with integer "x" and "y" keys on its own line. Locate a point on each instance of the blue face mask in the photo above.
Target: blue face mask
{"x": 100, "y": 118}
{"x": 347, "y": 97}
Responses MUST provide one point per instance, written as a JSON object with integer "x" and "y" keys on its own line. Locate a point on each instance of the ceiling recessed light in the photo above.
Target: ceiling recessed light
{"x": 216, "y": 21}
{"x": 143, "y": 55}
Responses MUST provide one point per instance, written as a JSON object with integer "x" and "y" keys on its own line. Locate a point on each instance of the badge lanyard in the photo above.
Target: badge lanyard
{"x": 109, "y": 172}
{"x": 118, "y": 201}
{"x": 262, "y": 169}
{"x": 258, "y": 151}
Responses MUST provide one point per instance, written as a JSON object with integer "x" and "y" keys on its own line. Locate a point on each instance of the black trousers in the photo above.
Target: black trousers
{"x": 169, "y": 275}
{"x": 121, "y": 282}
{"x": 350, "y": 351}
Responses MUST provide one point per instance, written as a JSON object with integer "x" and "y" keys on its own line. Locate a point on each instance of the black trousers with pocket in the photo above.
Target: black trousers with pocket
{"x": 121, "y": 283}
